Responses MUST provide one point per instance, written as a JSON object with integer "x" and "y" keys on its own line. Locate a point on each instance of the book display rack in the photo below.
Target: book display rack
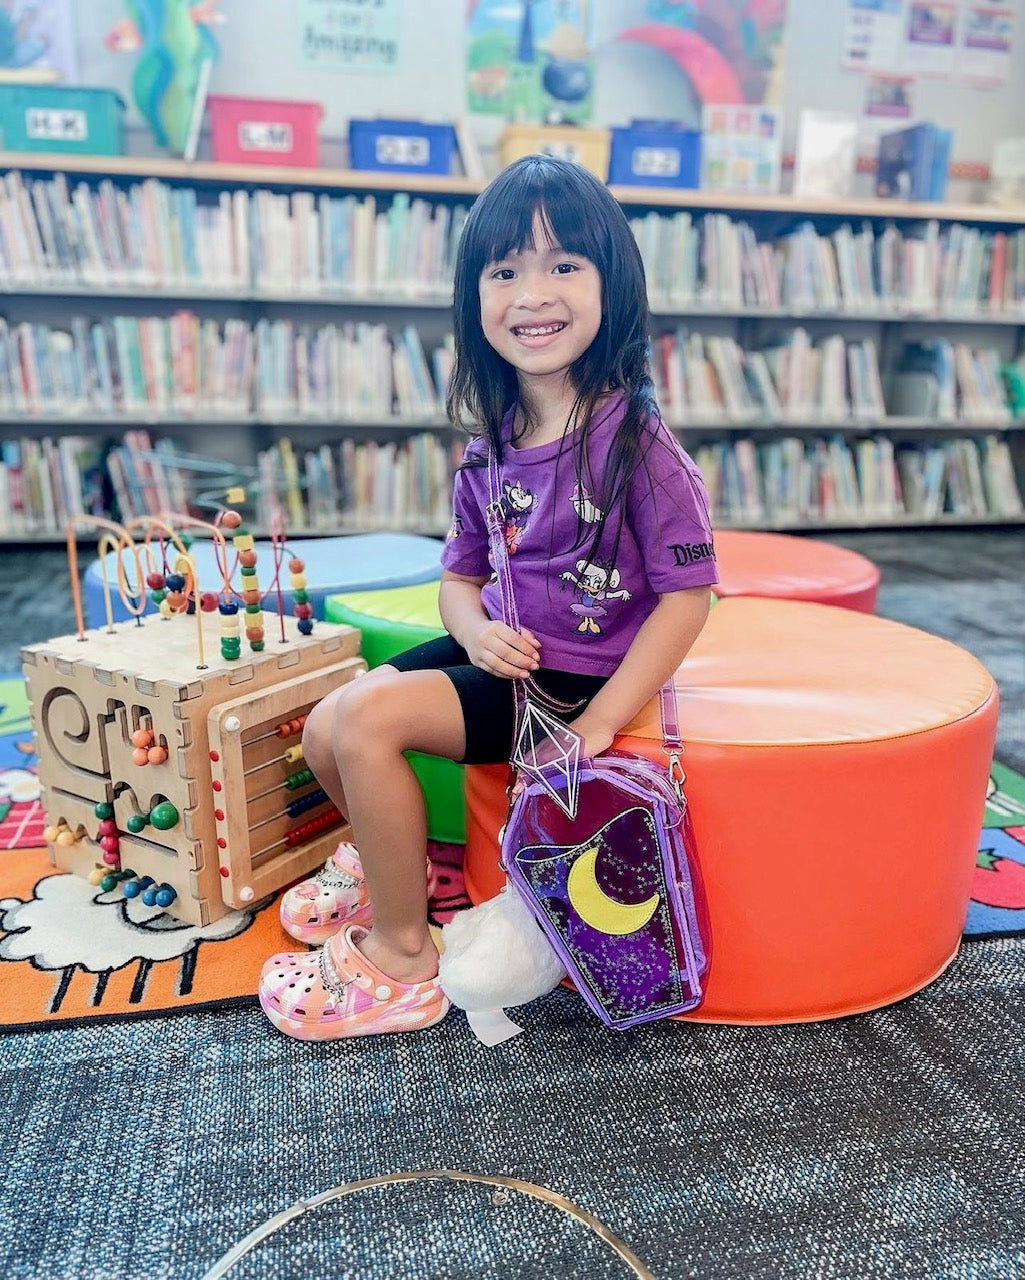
{"x": 828, "y": 365}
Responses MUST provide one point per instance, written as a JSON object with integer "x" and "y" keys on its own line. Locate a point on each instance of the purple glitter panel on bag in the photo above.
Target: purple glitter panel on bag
{"x": 612, "y": 889}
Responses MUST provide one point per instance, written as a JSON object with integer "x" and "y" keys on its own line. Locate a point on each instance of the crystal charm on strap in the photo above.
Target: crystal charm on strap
{"x": 548, "y": 752}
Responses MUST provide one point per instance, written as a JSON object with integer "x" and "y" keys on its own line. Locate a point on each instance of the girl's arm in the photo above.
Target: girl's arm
{"x": 492, "y": 646}
{"x": 656, "y": 651}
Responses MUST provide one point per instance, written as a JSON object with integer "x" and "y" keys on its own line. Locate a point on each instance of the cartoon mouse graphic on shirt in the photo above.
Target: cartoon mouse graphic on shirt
{"x": 517, "y": 505}
{"x": 595, "y": 583}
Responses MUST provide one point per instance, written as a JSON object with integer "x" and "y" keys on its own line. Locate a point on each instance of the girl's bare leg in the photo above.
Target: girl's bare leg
{"x": 373, "y": 721}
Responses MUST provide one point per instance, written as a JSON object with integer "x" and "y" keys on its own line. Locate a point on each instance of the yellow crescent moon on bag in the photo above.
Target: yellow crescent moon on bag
{"x": 594, "y": 906}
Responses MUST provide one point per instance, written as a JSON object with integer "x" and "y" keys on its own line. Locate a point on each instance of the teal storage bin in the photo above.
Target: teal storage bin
{"x": 45, "y": 117}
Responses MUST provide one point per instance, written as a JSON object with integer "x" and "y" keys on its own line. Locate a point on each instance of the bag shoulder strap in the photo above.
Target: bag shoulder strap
{"x": 671, "y": 741}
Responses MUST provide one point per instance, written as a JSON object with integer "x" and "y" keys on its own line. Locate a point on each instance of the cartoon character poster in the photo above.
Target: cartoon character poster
{"x": 37, "y": 42}
{"x": 530, "y": 60}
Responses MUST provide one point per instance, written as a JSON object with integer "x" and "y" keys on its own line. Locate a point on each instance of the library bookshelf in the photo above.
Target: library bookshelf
{"x": 164, "y": 324}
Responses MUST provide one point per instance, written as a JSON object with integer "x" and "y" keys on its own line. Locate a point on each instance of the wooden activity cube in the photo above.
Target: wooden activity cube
{"x": 226, "y": 727}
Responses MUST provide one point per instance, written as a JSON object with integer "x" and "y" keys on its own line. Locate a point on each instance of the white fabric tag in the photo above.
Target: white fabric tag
{"x": 492, "y": 1026}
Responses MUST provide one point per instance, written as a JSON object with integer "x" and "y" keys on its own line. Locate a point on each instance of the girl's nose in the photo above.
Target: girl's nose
{"x": 535, "y": 292}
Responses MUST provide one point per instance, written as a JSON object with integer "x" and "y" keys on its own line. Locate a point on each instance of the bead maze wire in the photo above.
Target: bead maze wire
{"x": 152, "y": 552}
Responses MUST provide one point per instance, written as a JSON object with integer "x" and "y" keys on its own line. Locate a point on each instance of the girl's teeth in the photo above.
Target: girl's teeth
{"x": 539, "y": 331}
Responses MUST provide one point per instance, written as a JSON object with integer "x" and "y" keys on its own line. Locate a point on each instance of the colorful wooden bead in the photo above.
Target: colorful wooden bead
{"x": 157, "y": 755}
{"x": 142, "y": 738}
{"x": 231, "y": 520}
{"x": 164, "y": 815}
{"x": 104, "y": 809}
{"x": 208, "y": 602}
{"x": 140, "y": 756}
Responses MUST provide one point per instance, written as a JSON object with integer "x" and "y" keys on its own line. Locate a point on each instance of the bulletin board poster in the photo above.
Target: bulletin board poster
{"x": 946, "y": 39}
{"x": 530, "y": 60}
{"x": 350, "y": 35}
{"x": 37, "y": 42}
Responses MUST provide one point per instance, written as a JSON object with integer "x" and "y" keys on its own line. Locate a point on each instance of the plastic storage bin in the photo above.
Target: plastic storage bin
{"x": 655, "y": 153}
{"x": 45, "y": 117}
{"x": 265, "y": 131}
{"x": 589, "y": 147}
{"x": 401, "y": 146}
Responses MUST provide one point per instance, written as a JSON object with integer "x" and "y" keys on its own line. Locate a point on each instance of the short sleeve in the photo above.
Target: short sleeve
{"x": 669, "y": 517}
{"x": 466, "y": 544}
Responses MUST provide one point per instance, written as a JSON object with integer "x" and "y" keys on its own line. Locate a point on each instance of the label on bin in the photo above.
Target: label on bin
{"x": 562, "y": 151}
{"x": 56, "y": 124}
{"x": 264, "y": 135}
{"x": 655, "y": 162}
{"x": 390, "y": 148}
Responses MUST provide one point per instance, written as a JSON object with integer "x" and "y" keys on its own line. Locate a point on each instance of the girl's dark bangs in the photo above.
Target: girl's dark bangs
{"x": 511, "y": 228}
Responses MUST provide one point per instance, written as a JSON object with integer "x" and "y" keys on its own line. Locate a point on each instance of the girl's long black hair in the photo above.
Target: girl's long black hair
{"x": 580, "y": 215}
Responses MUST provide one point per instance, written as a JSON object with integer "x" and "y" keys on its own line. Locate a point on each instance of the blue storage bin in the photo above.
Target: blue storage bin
{"x": 401, "y": 146}
{"x": 655, "y": 153}
{"x": 52, "y": 117}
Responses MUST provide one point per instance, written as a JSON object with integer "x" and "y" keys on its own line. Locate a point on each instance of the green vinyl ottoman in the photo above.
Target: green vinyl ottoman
{"x": 394, "y": 619}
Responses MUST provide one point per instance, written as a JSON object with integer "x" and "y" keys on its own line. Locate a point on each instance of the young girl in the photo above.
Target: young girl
{"x": 606, "y": 520}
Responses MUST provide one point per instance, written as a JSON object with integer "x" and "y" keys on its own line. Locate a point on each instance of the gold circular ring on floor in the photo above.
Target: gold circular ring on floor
{"x": 499, "y": 1197}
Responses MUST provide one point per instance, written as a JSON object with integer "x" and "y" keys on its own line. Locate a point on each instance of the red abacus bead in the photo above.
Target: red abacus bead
{"x": 303, "y": 610}
{"x": 112, "y": 859}
{"x": 219, "y": 815}
{"x": 231, "y": 519}
{"x": 176, "y": 599}
{"x": 254, "y": 633}
{"x": 109, "y": 844}
{"x": 215, "y": 785}
{"x": 296, "y": 566}
{"x": 225, "y": 871}
{"x": 208, "y": 602}
{"x": 247, "y": 559}
{"x": 140, "y": 756}
{"x": 107, "y": 827}
{"x": 142, "y": 738}
{"x": 157, "y": 755}
{"x": 251, "y": 597}
{"x": 154, "y": 581}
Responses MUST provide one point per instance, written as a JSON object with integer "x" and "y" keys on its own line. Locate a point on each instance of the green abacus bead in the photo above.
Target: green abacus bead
{"x": 164, "y": 816}
{"x": 254, "y": 608}
{"x": 136, "y": 823}
{"x": 104, "y": 810}
{"x": 158, "y": 596}
{"x": 300, "y": 596}
{"x": 258, "y": 646}
{"x": 108, "y": 883}
{"x": 240, "y": 532}
{"x": 248, "y": 571}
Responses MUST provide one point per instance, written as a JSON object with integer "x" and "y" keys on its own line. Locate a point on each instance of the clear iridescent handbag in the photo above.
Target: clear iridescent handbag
{"x": 602, "y": 852}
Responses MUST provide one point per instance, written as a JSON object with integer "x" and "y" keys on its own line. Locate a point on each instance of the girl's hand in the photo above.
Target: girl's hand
{"x": 504, "y": 652}
{"x": 596, "y": 737}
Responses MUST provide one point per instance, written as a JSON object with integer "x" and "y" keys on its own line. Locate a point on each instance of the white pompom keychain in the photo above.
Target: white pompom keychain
{"x": 496, "y": 957}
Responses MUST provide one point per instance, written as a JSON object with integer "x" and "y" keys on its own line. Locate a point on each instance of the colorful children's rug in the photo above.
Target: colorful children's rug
{"x": 69, "y": 952}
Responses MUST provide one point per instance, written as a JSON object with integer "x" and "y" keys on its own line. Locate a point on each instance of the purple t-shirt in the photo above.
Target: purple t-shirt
{"x": 584, "y": 612}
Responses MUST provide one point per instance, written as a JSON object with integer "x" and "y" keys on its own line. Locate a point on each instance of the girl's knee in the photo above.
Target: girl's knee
{"x": 363, "y": 715}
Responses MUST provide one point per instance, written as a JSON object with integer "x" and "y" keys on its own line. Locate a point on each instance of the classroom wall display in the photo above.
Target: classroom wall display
{"x": 972, "y": 40}
{"x": 350, "y": 35}
{"x": 37, "y": 42}
{"x": 730, "y": 51}
{"x": 530, "y": 60}
{"x": 175, "y": 48}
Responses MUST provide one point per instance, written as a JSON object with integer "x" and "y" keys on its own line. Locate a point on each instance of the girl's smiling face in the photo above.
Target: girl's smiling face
{"x": 540, "y": 309}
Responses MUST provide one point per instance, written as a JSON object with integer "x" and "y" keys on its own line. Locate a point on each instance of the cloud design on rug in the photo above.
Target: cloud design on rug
{"x": 109, "y": 933}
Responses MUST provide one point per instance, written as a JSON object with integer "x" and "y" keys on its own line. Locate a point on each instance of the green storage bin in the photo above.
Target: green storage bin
{"x": 392, "y": 620}
{"x": 38, "y": 117}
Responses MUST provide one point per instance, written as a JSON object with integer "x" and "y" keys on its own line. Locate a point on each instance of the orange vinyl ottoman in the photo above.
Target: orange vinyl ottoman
{"x": 837, "y": 766}
{"x": 780, "y": 566}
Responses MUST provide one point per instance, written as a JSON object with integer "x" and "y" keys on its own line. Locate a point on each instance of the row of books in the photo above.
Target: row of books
{"x": 185, "y": 365}
{"x": 932, "y": 269}
{"x": 711, "y": 379}
{"x": 150, "y": 234}
{"x": 360, "y": 484}
{"x": 407, "y": 484}
{"x": 797, "y": 481}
